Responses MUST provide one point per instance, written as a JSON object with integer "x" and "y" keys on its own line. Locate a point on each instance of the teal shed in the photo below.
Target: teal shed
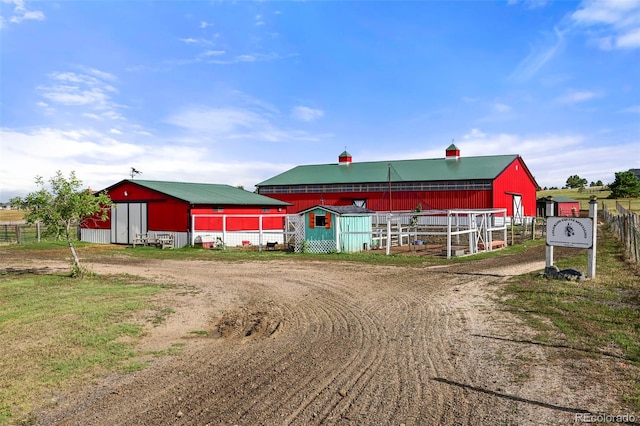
{"x": 337, "y": 228}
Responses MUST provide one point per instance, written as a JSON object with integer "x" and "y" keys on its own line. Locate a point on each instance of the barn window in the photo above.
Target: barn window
{"x": 321, "y": 221}
{"x": 265, "y": 210}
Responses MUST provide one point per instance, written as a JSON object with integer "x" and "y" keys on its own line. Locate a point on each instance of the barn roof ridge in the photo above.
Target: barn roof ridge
{"x": 206, "y": 193}
{"x": 430, "y": 169}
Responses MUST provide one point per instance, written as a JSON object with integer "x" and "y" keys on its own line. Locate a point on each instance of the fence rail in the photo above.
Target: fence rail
{"x": 20, "y": 232}
{"x": 626, "y": 225}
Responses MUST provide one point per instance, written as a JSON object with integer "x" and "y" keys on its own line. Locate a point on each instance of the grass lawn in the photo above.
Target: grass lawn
{"x": 591, "y": 317}
{"x": 56, "y": 329}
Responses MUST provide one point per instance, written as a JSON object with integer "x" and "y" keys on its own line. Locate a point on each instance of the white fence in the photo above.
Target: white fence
{"x": 459, "y": 231}
{"x": 456, "y": 232}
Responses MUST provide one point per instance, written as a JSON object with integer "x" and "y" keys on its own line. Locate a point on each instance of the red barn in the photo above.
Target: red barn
{"x": 185, "y": 211}
{"x": 452, "y": 182}
{"x": 562, "y": 206}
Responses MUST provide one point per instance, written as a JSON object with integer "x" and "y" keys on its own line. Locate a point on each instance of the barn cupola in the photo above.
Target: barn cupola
{"x": 453, "y": 152}
{"x": 344, "y": 159}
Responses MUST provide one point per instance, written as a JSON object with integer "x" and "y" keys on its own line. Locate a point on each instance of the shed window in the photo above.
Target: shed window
{"x": 320, "y": 221}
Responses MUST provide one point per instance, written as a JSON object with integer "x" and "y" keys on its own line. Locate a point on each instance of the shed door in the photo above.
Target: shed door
{"x": 518, "y": 211}
{"x": 127, "y": 220}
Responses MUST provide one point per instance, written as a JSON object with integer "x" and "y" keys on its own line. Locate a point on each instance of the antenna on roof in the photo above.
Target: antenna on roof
{"x": 134, "y": 172}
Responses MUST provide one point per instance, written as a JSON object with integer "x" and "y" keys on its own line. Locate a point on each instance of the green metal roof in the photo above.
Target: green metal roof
{"x": 437, "y": 169}
{"x": 208, "y": 193}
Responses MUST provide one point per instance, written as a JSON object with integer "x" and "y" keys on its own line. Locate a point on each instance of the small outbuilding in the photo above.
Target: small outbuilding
{"x": 562, "y": 206}
{"x": 336, "y": 228}
{"x": 187, "y": 213}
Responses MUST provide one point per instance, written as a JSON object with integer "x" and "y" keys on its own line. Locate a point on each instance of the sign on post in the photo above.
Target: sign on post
{"x": 570, "y": 232}
{"x": 578, "y": 232}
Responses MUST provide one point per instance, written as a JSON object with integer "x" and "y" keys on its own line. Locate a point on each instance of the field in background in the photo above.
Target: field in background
{"x": 585, "y": 195}
{"x": 11, "y": 215}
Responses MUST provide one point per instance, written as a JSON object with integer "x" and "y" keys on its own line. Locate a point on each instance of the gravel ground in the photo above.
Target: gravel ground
{"x": 303, "y": 343}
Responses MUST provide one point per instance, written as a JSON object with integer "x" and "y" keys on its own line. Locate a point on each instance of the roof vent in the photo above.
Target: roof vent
{"x": 344, "y": 158}
{"x": 453, "y": 152}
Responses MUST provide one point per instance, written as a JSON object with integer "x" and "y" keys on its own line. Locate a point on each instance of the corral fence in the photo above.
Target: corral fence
{"x": 626, "y": 226}
{"x": 20, "y": 232}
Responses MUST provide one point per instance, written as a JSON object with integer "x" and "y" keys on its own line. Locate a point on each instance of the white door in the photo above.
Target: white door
{"x": 518, "y": 210}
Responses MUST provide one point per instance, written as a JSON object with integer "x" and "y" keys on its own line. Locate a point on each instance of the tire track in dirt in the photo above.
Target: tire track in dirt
{"x": 353, "y": 350}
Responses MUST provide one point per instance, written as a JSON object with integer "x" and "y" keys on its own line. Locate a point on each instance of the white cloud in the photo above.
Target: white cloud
{"x": 629, "y": 40}
{"x": 552, "y": 158}
{"x": 212, "y": 53}
{"x": 91, "y": 90}
{"x": 304, "y": 113}
{"x": 22, "y": 13}
{"x": 539, "y": 56}
{"x": 221, "y": 124}
{"x": 577, "y": 96}
{"x": 502, "y": 108}
{"x": 217, "y": 120}
{"x": 612, "y": 24}
{"x": 101, "y": 160}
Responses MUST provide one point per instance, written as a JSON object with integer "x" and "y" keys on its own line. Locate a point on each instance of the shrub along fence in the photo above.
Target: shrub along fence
{"x": 626, "y": 225}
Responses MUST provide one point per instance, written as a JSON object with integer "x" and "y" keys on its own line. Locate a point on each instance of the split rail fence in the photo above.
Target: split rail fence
{"x": 626, "y": 226}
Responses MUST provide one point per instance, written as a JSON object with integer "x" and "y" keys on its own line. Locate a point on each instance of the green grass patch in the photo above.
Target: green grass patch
{"x": 592, "y": 316}
{"x": 56, "y": 329}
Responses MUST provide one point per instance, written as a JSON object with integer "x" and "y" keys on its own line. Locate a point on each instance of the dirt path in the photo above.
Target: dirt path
{"x": 303, "y": 343}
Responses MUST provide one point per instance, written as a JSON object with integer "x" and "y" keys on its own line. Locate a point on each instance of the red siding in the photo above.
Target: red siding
{"x": 166, "y": 213}
{"x": 379, "y": 201}
{"x": 515, "y": 178}
{"x": 238, "y": 223}
{"x": 570, "y": 209}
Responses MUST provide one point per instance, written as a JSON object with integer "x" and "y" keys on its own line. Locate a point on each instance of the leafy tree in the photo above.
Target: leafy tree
{"x": 62, "y": 208}
{"x": 599, "y": 183}
{"x": 576, "y": 181}
{"x": 626, "y": 185}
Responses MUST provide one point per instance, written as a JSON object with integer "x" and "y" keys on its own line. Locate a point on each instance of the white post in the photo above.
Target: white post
{"x": 472, "y": 234}
{"x": 224, "y": 230}
{"x": 260, "y": 237}
{"x": 337, "y": 221}
{"x": 449, "y": 234}
{"x": 193, "y": 231}
{"x": 591, "y": 253}
{"x": 389, "y": 234}
{"x": 549, "y": 211}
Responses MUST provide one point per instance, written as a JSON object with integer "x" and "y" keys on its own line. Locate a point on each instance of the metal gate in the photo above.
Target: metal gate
{"x": 295, "y": 232}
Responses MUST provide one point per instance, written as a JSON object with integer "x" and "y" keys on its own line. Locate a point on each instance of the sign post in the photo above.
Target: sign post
{"x": 574, "y": 232}
{"x": 591, "y": 253}
{"x": 548, "y": 213}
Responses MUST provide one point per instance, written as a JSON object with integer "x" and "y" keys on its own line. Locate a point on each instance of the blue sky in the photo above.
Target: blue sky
{"x": 237, "y": 92}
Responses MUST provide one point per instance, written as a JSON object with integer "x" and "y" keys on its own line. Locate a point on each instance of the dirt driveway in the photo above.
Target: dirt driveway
{"x": 304, "y": 343}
